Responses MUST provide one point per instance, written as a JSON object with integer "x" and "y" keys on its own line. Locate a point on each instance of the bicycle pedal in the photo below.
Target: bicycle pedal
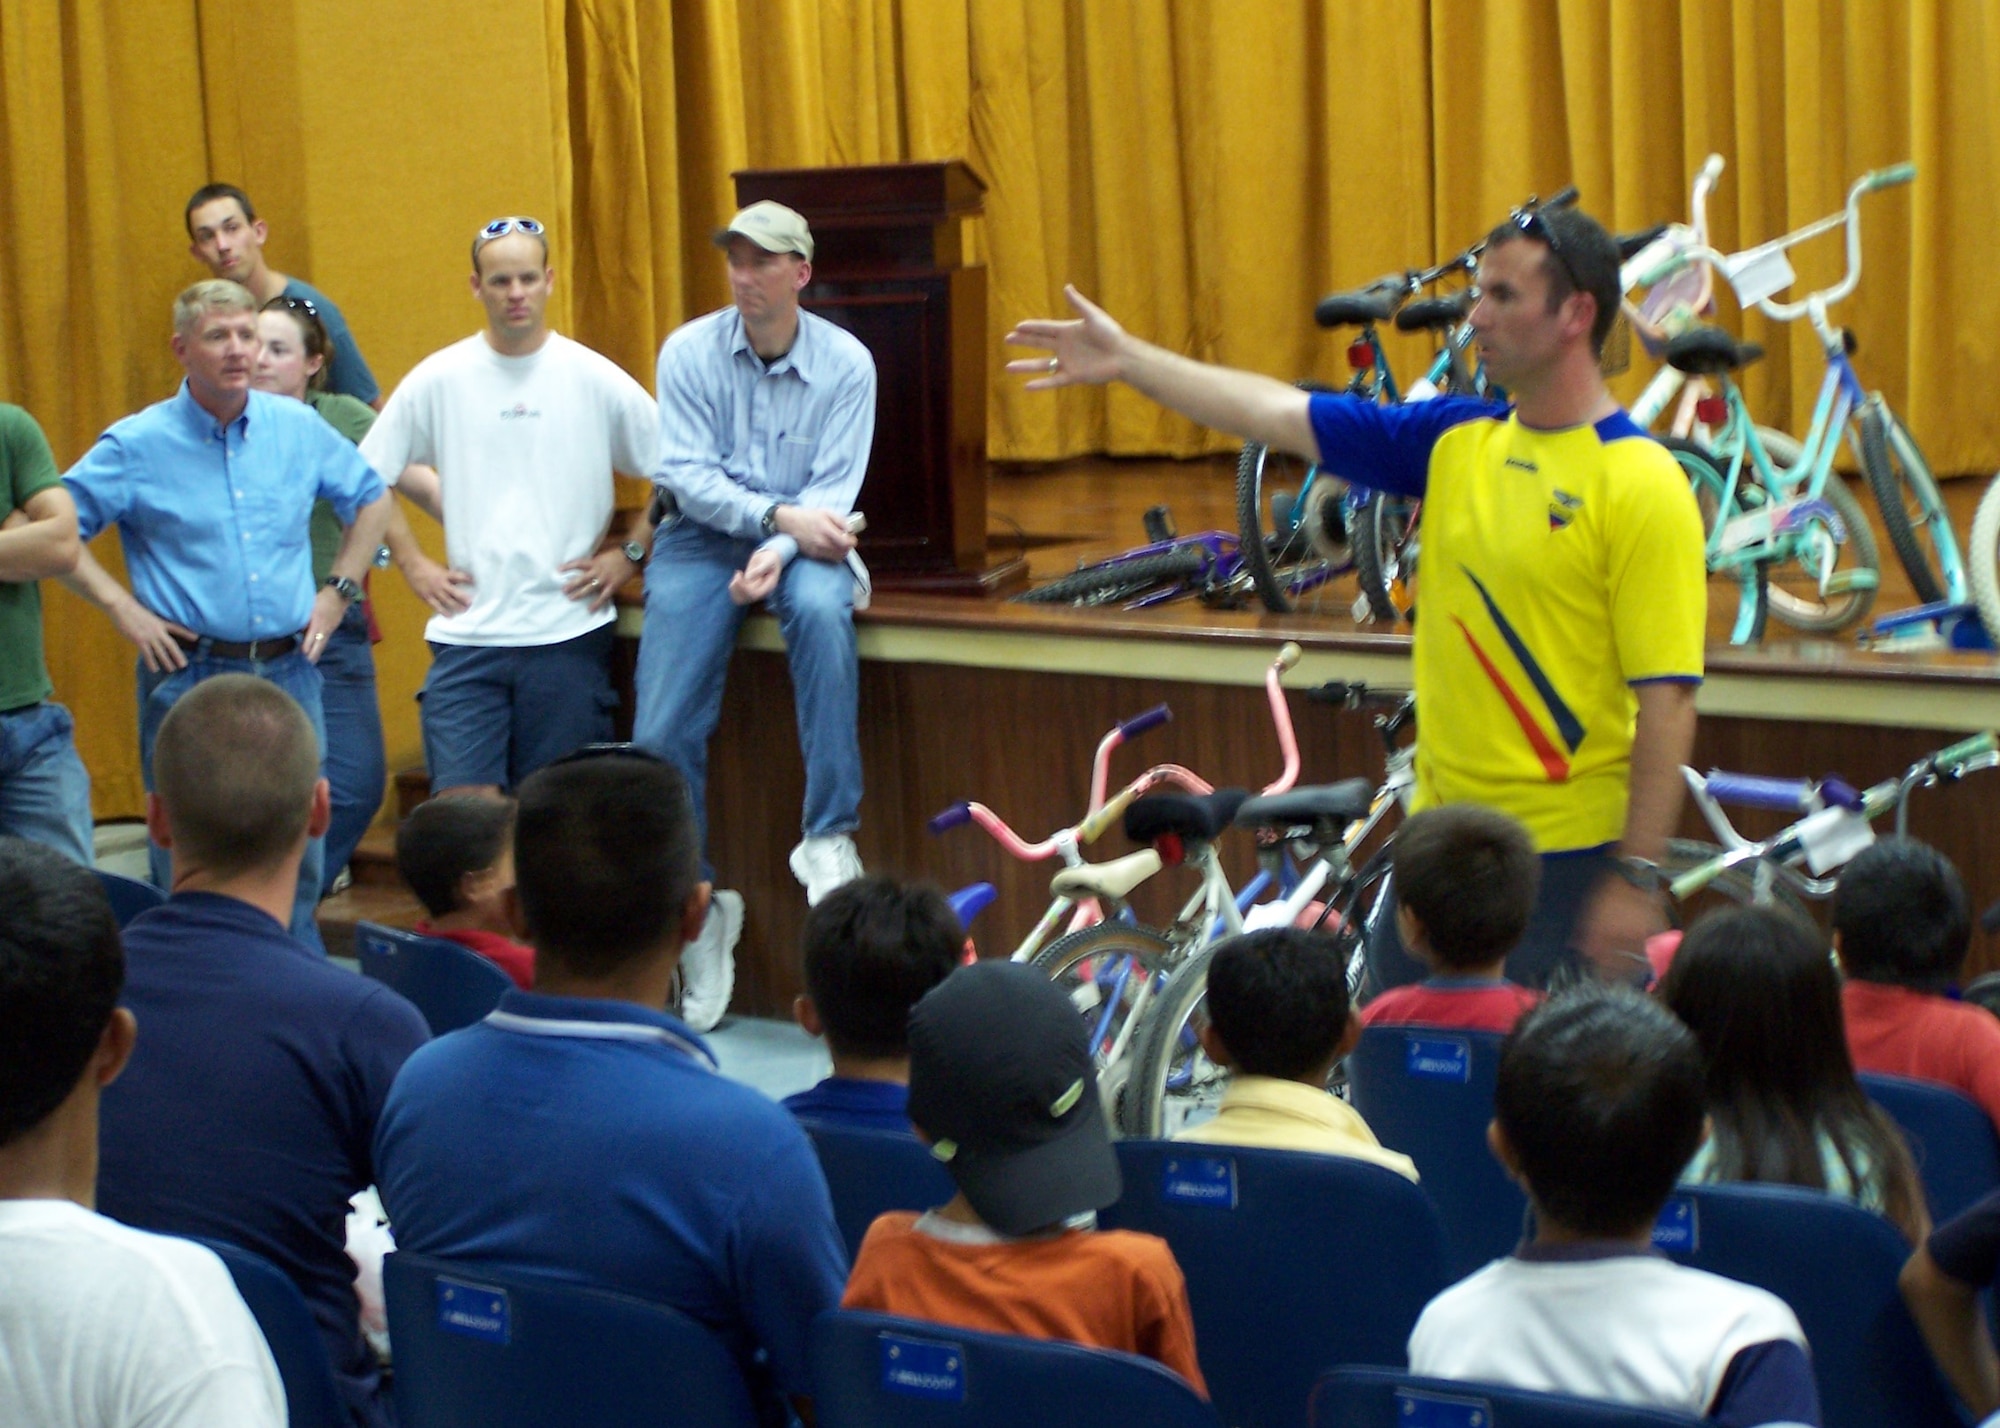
{"x": 1841, "y": 581}
{"x": 1159, "y": 523}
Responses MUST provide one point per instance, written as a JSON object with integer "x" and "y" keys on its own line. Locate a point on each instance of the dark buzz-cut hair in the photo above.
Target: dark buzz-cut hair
{"x": 209, "y": 193}
{"x": 873, "y": 947}
{"x": 1903, "y": 916}
{"x": 235, "y": 762}
{"x": 1278, "y": 1000}
{"x": 446, "y": 839}
{"x": 61, "y": 969}
{"x": 604, "y": 860}
{"x": 1600, "y": 1095}
{"x": 1470, "y": 875}
{"x": 1582, "y": 258}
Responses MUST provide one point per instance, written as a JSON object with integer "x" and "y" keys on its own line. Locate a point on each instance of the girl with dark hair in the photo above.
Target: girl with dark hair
{"x": 1758, "y": 989}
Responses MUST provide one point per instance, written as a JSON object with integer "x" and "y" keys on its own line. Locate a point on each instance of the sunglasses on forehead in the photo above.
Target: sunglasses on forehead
{"x": 501, "y": 227}
{"x": 1533, "y": 225}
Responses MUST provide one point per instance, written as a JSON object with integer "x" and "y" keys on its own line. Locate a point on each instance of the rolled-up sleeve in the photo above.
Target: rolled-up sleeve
{"x": 345, "y": 477}
{"x": 101, "y": 486}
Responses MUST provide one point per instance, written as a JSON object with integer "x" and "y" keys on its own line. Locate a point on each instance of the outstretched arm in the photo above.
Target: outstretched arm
{"x": 1092, "y": 348}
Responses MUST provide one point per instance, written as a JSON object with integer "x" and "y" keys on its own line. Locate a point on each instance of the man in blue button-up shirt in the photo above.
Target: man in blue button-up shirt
{"x": 212, "y": 493}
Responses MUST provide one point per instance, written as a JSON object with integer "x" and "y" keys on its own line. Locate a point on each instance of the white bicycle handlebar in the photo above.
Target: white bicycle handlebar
{"x": 1850, "y": 218}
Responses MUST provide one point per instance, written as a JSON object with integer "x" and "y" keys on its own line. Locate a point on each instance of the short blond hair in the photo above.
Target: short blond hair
{"x": 210, "y": 295}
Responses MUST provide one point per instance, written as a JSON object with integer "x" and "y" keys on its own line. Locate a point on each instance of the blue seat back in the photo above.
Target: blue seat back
{"x": 1429, "y": 1094}
{"x": 874, "y": 1369}
{"x": 1950, "y": 1137}
{"x": 1294, "y": 1262}
{"x": 451, "y": 985}
{"x": 1383, "y": 1398}
{"x": 871, "y": 1171}
{"x": 1836, "y": 1265}
{"x": 477, "y": 1348}
{"x": 128, "y": 896}
{"x": 312, "y": 1398}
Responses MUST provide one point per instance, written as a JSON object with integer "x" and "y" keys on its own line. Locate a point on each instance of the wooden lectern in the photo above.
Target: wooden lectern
{"x": 890, "y": 266}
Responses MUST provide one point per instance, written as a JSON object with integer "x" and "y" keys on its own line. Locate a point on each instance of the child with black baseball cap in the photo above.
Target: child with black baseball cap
{"x": 1003, "y": 1089}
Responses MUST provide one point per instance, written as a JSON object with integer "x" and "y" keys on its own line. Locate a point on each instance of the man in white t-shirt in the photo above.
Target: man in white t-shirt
{"x": 101, "y": 1326}
{"x": 524, "y": 428}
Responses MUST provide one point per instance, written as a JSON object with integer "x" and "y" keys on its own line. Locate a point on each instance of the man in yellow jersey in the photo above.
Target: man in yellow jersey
{"x": 1564, "y": 588}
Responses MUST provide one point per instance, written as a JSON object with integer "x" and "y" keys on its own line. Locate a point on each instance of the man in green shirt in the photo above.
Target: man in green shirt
{"x": 44, "y": 791}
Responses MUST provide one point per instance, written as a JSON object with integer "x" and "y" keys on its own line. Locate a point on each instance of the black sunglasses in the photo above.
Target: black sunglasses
{"x": 1533, "y": 225}
{"x": 608, "y": 749}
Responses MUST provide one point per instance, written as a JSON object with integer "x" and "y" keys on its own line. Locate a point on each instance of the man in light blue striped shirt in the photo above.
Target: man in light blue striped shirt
{"x": 767, "y": 414}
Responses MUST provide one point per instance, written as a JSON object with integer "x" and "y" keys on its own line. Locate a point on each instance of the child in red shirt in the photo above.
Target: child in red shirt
{"x": 457, "y": 855}
{"x": 1466, "y": 878}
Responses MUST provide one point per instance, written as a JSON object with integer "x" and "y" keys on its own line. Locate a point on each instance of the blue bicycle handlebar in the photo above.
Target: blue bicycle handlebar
{"x": 1152, "y": 719}
{"x": 955, "y": 816}
{"x": 1758, "y": 791}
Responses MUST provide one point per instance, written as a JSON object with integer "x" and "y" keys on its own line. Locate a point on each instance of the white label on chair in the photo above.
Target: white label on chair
{"x": 1438, "y": 1058}
{"x": 474, "y": 1310}
{"x": 1756, "y": 273}
{"x": 922, "y": 1368}
{"x": 1200, "y": 1180}
{"x": 1678, "y": 1229}
{"x": 1831, "y": 838}
{"x": 1415, "y": 1409}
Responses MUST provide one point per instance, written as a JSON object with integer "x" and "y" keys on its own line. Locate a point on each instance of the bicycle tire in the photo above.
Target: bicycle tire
{"x": 1154, "y": 953}
{"x": 1912, "y": 507}
{"x": 1279, "y": 562}
{"x": 1112, "y": 580}
{"x": 1738, "y": 885}
{"x": 1982, "y": 567}
{"x": 1383, "y": 531}
{"x": 1167, "y": 1064}
{"x": 1752, "y": 588}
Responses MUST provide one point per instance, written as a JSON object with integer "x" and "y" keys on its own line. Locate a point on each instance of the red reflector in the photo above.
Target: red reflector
{"x": 1360, "y": 356}
{"x": 1712, "y": 411}
{"x": 1168, "y": 846}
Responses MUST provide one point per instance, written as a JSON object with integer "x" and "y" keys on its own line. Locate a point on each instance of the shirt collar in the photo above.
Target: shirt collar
{"x": 221, "y": 907}
{"x": 1286, "y": 1098}
{"x": 197, "y": 416}
{"x": 595, "y": 1019}
{"x": 799, "y": 359}
{"x": 1581, "y": 1251}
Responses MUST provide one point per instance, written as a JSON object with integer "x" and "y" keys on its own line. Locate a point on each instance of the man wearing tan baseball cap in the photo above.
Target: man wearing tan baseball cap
{"x": 772, "y": 227}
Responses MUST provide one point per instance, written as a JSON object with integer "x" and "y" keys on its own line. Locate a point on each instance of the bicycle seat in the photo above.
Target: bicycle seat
{"x": 1113, "y": 880}
{"x": 1374, "y": 303}
{"x": 1631, "y": 245}
{"x": 1434, "y": 312}
{"x": 1706, "y": 351}
{"x": 1186, "y": 815}
{"x": 1341, "y": 802}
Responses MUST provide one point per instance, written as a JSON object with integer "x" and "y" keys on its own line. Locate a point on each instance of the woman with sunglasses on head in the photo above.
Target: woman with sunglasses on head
{"x": 293, "y": 363}
{"x": 1758, "y": 989}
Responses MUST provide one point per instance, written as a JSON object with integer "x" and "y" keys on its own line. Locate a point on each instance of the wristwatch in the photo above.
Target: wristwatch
{"x": 341, "y": 585}
{"x": 634, "y": 552}
{"x": 769, "y": 525}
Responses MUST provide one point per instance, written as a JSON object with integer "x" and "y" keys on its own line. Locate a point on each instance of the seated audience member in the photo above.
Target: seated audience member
{"x": 1466, "y": 881}
{"x": 1003, "y": 1089}
{"x": 1945, "y": 1284}
{"x": 1758, "y": 990}
{"x": 100, "y": 1326}
{"x": 1902, "y": 924}
{"x": 1278, "y": 1019}
{"x": 581, "y": 1132}
{"x": 248, "y": 1108}
{"x": 872, "y": 948}
{"x": 1598, "y": 1106}
{"x": 457, "y": 855}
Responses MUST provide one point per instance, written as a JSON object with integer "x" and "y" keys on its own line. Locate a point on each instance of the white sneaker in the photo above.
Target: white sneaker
{"x": 824, "y": 862}
{"x": 708, "y": 964}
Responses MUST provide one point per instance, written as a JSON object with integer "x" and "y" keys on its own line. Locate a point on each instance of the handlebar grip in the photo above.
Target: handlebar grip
{"x": 1561, "y": 198}
{"x": 1836, "y": 792}
{"x": 1289, "y": 654}
{"x": 1152, "y": 719}
{"x": 1711, "y": 168}
{"x": 1891, "y": 176}
{"x": 1338, "y": 691}
{"x": 956, "y": 816}
{"x": 1966, "y": 749}
{"x": 1695, "y": 879}
{"x": 1757, "y": 791}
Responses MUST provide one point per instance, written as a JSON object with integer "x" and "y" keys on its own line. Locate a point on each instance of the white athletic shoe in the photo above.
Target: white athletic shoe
{"x": 708, "y": 964}
{"x": 825, "y": 862}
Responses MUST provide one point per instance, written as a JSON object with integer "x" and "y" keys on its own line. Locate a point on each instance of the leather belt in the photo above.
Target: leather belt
{"x": 234, "y": 649}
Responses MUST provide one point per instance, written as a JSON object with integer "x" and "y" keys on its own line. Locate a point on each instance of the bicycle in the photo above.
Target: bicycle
{"x": 1982, "y": 569}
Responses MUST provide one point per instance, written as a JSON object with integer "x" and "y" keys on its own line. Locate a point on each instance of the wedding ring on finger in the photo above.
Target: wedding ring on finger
{"x": 1055, "y": 364}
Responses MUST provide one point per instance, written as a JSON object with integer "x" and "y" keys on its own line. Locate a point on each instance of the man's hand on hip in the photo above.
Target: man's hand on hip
{"x": 439, "y": 587}
{"x": 596, "y": 578}
{"x": 822, "y": 535}
{"x": 758, "y": 578}
{"x": 154, "y": 636}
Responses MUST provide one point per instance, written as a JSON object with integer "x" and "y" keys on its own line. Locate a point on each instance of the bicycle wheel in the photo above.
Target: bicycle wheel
{"x": 1981, "y": 559}
{"x": 1745, "y": 886}
{"x": 1290, "y": 555}
{"x": 1109, "y": 971}
{"x": 1849, "y": 560}
{"x": 1913, "y": 509}
{"x": 1384, "y": 540}
{"x": 1110, "y": 581}
{"x": 1745, "y": 588}
{"x": 1172, "y": 1083}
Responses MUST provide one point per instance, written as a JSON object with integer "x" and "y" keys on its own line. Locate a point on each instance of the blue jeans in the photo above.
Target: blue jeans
{"x": 690, "y": 630}
{"x": 44, "y": 790}
{"x": 496, "y": 713}
{"x": 294, "y": 674}
{"x": 356, "y": 766}
{"x": 1544, "y": 955}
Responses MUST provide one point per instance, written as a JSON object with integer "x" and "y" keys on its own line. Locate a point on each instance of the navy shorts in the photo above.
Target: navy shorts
{"x": 495, "y": 714}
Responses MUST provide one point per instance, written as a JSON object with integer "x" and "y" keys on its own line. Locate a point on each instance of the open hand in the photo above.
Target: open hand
{"x": 1087, "y": 348}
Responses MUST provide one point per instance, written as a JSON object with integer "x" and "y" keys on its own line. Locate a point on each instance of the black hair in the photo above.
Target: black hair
{"x": 209, "y": 193}
{"x": 872, "y": 948}
{"x": 1903, "y": 916}
{"x": 605, "y": 858}
{"x": 445, "y": 840}
{"x": 1600, "y": 1096}
{"x": 1757, "y": 988}
{"x": 1277, "y": 999}
{"x": 61, "y": 969}
{"x": 1581, "y": 257}
{"x": 1469, "y": 875}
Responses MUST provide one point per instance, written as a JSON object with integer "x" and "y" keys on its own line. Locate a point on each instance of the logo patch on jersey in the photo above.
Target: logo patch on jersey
{"x": 1521, "y": 465}
{"x": 1562, "y": 509}
{"x": 518, "y": 412}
